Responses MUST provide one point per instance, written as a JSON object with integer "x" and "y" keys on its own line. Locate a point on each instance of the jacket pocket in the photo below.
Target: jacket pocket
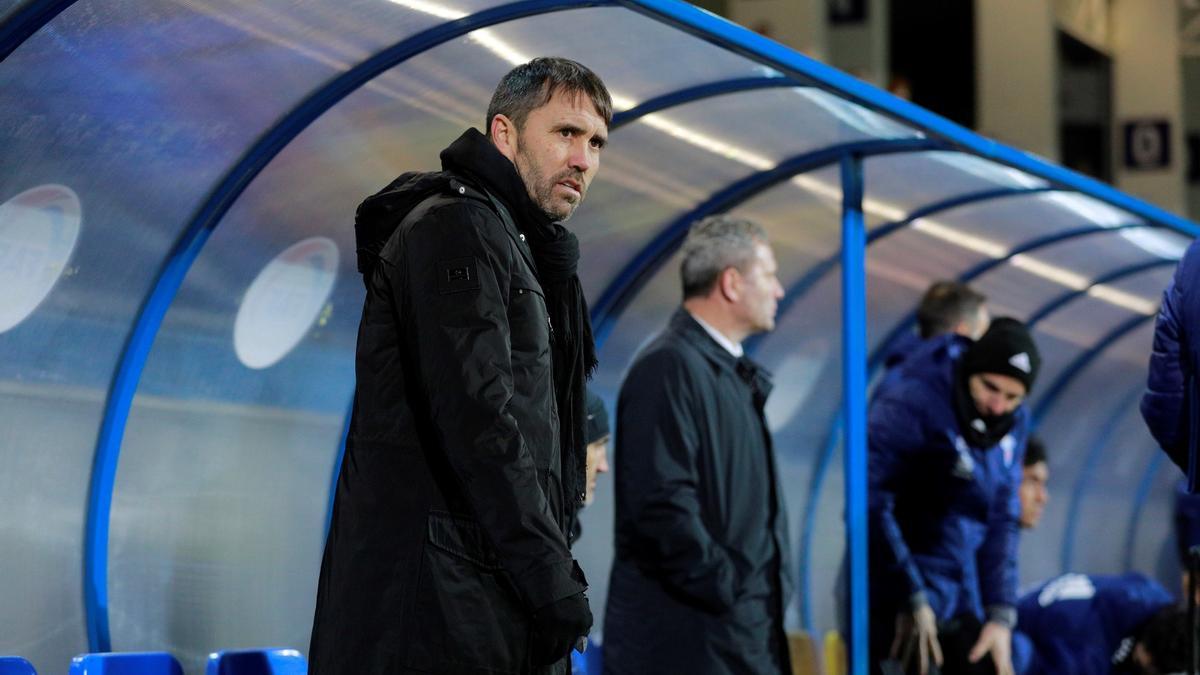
{"x": 468, "y": 616}
{"x": 528, "y": 321}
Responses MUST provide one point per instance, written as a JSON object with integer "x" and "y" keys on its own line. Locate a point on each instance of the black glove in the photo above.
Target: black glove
{"x": 558, "y": 626}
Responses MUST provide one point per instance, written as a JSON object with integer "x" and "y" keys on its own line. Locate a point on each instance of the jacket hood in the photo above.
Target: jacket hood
{"x": 380, "y": 214}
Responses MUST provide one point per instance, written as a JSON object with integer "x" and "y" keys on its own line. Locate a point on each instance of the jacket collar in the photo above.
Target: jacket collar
{"x": 758, "y": 378}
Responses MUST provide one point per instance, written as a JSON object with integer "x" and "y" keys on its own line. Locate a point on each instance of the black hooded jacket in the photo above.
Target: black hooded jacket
{"x": 449, "y": 523}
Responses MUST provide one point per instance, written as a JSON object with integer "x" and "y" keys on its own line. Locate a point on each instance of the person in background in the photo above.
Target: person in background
{"x": 597, "y": 436}
{"x": 1035, "y": 483}
{"x": 945, "y": 447}
{"x": 1101, "y": 624}
{"x": 947, "y": 308}
{"x": 700, "y": 579}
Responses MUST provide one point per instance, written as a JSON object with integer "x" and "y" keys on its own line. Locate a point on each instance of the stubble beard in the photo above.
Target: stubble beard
{"x": 541, "y": 191}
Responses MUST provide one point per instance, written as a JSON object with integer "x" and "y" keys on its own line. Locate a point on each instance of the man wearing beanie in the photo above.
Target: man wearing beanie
{"x": 945, "y": 446}
{"x": 596, "y": 436}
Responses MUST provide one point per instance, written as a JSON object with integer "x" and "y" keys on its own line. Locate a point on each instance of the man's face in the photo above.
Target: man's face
{"x": 597, "y": 463}
{"x": 1034, "y": 493}
{"x": 995, "y": 394}
{"x": 759, "y": 291}
{"x": 557, "y": 152}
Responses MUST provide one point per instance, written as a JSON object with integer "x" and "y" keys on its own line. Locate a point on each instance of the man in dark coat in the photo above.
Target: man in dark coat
{"x": 464, "y": 463}
{"x": 945, "y": 447}
{"x": 699, "y": 581}
{"x": 1171, "y": 404}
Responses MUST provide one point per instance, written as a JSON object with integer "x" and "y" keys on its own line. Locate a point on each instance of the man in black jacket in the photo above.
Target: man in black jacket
{"x": 700, "y": 577}
{"x": 464, "y": 464}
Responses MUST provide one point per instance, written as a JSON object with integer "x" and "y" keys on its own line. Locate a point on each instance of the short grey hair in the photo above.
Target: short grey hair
{"x": 713, "y": 245}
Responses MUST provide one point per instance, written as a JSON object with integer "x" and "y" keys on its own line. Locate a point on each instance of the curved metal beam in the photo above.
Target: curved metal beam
{"x": 1139, "y": 502}
{"x": 26, "y": 20}
{"x": 638, "y": 271}
{"x": 187, "y": 248}
{"x": 988, "y": 265}
{"x": 1089, "y": 467}
{"x": 804, "y": 284}
{"x": 1116, "y": 275}
{"x": 1047, "y": 401}
{"x": 697, "y": 93}
{"x": 753, "y": 46}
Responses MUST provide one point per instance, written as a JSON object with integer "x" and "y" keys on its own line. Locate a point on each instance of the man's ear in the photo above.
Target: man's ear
{"x": 504, "y": 136}
{"x": 729, "y": 283}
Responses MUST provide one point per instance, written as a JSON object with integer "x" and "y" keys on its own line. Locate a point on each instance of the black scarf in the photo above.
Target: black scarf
{"x": 556, "y": 256}
{"x": 979, "y": 431}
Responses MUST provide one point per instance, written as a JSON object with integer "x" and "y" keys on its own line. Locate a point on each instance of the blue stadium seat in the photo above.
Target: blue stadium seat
{"x": 257, "y": 662}
{"x": 15, "y": 665}
{"x": 126, "y": 663}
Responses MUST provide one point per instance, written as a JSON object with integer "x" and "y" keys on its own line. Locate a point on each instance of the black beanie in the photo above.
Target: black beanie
{"x": 1006, "y": 348}
{"x": 597, "y": 418}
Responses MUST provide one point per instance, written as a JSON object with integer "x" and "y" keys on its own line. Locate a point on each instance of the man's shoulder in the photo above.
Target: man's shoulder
{"x": 667, "y": 355}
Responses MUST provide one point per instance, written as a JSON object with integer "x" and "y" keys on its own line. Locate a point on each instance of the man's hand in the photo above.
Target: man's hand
{"x": 996, "y": 639}
{"x": 558, "y": 626}
{"x": 920, "y": 625}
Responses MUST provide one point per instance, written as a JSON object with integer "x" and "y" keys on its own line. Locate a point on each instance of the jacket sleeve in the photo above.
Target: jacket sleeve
{"x": 895, "y": 433}
{"x": 456, "y": 274}
{"x": 659, "y": 516}
{"x": 1164, "y": 403}
{"x": 997, "y": 557}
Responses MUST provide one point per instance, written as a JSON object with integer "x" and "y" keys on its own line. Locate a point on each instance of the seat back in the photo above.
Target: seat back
{"x": 126, "y": 663}
{"x": 274, "y": 661}
{"x": 803, "y": 653}
{"x": 15, "y": 665}
{"x": 835, "y": 654}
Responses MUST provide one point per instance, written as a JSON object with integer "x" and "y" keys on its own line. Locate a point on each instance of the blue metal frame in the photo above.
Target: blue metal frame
{"x": 854, "y": 389}
{"x": 697, "y": 93}
{"x": 1089, "y": 467}
{"x": 26, "y": 20}
{"x": 187, "y": 248}
{"x": 740, "y": 40}
{"x": 1047, "y": 401}
{"x": 1139, "y": 502}
{"x": 638, "y": 271}
{"x": 1115, "y": 275}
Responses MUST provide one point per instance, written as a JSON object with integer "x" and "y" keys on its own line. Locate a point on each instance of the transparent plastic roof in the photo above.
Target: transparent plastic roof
{"x": 177, "y": 191}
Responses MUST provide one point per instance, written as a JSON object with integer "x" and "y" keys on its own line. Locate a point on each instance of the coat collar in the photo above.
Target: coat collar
{"x": 758, "y": 378}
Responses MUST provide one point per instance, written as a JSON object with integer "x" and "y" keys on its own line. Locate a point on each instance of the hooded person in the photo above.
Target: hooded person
{"x": 945, "y": 447}
{"x": 464, "y": 467}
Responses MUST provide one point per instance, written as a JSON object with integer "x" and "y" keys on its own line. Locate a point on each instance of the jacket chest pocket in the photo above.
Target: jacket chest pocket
{"x": 528, "y": 321}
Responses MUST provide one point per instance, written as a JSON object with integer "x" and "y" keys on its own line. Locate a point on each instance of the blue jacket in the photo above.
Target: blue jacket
{"x": 1170, "y": 400}
{"x": 909, "y": 345}
{"x": 943, "y": 515}
{"x": 1078, "y": 622}
{"x": 1187, "y": 521}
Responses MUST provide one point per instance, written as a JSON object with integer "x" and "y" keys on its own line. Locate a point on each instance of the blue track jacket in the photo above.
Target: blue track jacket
{"x": 1078, "y": 623}
{"x": 943, "y": 515}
